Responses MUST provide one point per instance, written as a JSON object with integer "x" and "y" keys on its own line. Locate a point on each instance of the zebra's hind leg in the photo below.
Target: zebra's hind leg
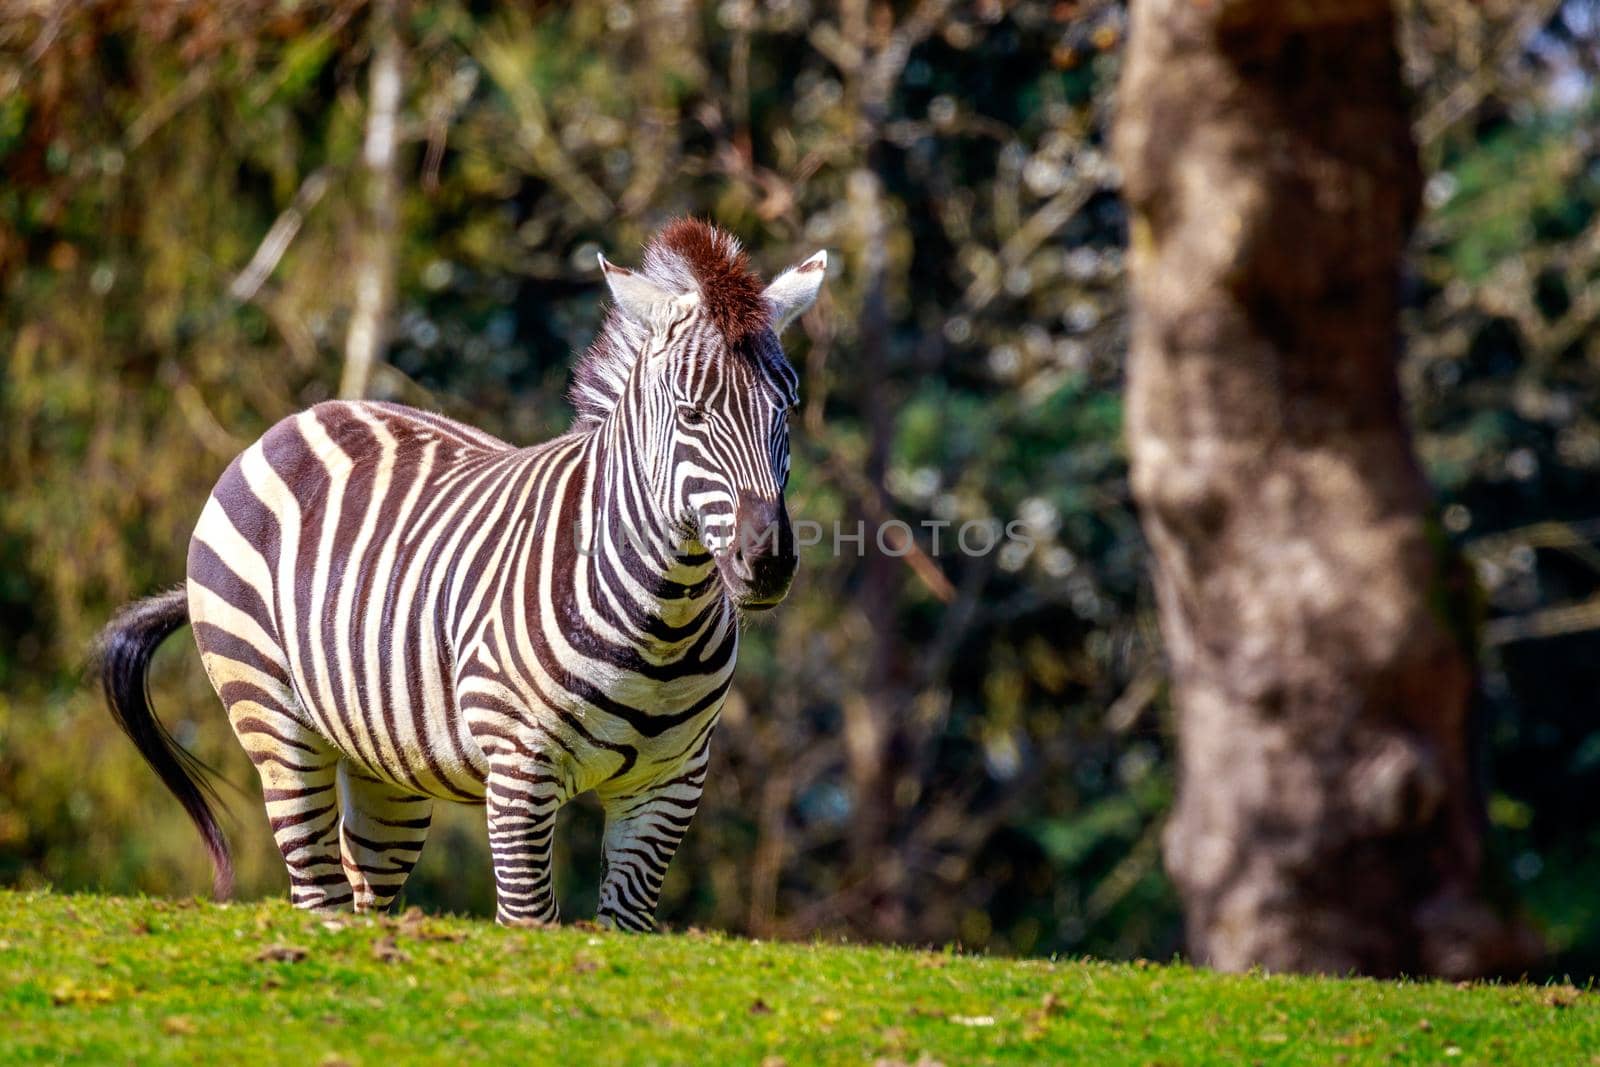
{"x": 380, "y": 837}
{"x": 643, "y": 830}
{"x": 522, "y": 795}
{"x": 298, "y": 782}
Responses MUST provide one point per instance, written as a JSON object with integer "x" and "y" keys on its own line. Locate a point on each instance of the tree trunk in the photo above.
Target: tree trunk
{"x": 376, "y": 259}
{"x": 1327, "y": 816}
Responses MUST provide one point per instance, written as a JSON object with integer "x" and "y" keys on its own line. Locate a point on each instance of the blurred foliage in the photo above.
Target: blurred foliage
{"x": 973, "y": 753}
{"x": 1503, "y": 372}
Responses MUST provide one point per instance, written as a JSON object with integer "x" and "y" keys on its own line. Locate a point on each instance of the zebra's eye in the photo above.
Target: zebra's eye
{"x": 694, "y": 416}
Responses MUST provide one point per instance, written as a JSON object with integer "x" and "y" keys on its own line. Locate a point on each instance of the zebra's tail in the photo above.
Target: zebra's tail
{"x": 123, "y": 659}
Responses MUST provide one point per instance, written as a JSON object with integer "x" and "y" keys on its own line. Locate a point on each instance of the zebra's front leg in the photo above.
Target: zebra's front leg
{"x": 381, "y": 836}
{"x": 643, "y": 831}
{"x": 522, "y": 796}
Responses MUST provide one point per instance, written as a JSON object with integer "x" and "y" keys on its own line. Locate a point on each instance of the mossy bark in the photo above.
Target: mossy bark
{"x": 1327, "y": 816}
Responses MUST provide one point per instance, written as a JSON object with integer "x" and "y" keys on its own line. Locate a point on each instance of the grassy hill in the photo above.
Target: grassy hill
{"x": 99, "y": 980}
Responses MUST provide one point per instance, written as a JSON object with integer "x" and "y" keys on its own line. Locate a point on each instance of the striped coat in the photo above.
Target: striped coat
{"x": 396, "y": 608}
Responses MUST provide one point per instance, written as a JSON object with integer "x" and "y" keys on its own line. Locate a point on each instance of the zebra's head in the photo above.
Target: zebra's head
{"x": 691, "y": 350}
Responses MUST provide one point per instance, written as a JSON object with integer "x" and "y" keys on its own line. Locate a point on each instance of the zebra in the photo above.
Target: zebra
{"x": 396, "y": 608}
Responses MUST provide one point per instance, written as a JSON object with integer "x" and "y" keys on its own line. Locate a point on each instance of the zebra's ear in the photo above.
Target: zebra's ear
{"x": 637, "y": 297}
{"x": 793, "y": 292}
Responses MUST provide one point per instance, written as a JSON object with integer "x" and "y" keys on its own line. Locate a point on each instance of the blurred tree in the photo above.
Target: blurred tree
{"x": 375, "y": 264}
{"x": 1327, "y": 817}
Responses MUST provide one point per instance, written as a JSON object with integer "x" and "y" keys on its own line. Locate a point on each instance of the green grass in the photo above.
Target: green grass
{"x": 103, "y": 979}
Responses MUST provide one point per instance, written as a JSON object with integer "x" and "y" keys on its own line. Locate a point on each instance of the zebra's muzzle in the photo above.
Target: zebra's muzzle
{"x": 758, "y": 566}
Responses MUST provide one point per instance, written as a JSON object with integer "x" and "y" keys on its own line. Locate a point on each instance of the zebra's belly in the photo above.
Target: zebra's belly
{"x": 414, "y": 739}
{"x": 406, "y": 725}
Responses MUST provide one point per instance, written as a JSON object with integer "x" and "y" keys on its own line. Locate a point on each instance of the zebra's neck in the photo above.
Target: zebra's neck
{"x": 658, "y": 581}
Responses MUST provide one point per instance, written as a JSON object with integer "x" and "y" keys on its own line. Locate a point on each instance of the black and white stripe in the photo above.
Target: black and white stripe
{"x": 396, "y": 608}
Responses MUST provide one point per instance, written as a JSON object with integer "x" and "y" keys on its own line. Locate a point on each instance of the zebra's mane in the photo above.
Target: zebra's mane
{"x": 688, "y": 256}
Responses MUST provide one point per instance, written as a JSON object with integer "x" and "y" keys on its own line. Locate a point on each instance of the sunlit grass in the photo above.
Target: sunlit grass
{"x": 106, "y": 979}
